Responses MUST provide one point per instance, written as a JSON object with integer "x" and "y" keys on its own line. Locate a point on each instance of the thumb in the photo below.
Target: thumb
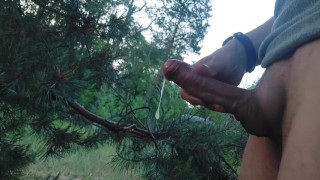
{"x": 210, "y": 91}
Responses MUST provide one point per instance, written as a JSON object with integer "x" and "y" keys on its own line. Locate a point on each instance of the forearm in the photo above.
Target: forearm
{"x": 256, "y": 36}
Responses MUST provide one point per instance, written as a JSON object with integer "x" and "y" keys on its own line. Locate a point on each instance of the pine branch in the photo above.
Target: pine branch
{"x": 130, "y": 112}
{"x": 25, "y": 73}
{"x": 113, "y": 126}
{"x": 228, "y": 165}
{"x": 44, "y": 6}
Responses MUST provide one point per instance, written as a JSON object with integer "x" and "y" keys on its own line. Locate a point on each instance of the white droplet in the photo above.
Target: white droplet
{"x": 157, "y": 115}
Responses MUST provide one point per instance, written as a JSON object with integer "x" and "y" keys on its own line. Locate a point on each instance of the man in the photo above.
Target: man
{"x": 281, "y": 113}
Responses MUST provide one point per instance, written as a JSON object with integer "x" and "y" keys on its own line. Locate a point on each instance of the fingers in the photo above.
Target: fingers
{"x": 191, "y": 99}
{"x": 222, "y": 66}
{"x": 195, "y": 101}
{"x": 204, "y": 68}
{"x": 204, "y": 90}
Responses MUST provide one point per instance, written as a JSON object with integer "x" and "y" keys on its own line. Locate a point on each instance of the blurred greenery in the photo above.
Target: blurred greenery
{"x": 83, "y": 164}
{"x": 80, "y": 82}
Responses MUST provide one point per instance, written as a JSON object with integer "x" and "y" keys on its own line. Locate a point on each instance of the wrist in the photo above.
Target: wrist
{"x": 248, "y": 48}
{"x": 238, "y": 51}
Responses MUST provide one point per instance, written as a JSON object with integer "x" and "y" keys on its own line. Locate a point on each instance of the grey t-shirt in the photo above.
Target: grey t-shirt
{"x": 296, "y": 23}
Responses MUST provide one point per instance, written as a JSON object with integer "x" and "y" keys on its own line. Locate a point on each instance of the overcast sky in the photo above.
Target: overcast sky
{"x": 230, "y": 16}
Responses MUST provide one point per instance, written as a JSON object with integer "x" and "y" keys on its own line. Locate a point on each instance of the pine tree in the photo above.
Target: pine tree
{"x": 81, "y": 73}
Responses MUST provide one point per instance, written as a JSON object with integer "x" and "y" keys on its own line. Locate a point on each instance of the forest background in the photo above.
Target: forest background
{"x": 80, "y": 83}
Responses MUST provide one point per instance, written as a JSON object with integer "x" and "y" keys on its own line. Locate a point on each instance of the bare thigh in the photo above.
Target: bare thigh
{"x": 301, "y": 125}
{"x": 262, "y": 155}
{"x": 261, "y": 159}
{"x": 298, "y": 154}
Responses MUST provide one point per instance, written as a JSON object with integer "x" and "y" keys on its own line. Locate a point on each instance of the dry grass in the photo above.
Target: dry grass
{"x": 83, "y": 165}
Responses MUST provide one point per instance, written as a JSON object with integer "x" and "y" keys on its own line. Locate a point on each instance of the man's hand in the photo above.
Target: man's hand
{"x": 227, "y": 64}
{"x": 260, "y": 111}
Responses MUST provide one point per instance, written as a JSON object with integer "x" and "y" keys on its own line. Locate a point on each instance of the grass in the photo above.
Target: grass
{"x": 82, "y": 165}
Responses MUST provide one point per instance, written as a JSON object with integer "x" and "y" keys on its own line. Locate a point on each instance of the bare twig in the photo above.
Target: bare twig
{"x": 113, "y": 126}
{"x": 132, "y": 111}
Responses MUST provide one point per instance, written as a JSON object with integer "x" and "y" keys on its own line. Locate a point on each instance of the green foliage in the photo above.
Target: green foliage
{"x": 197, "y": 148}
{"x": 83, "y": 164}
{"x": 101, "y": 54}
{"x": 14, "y": 155}
{"x": 174, "y": 25}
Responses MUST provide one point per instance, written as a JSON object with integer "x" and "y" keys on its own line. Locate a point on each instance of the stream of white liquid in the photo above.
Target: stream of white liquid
{"x": 157, "y": 115}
